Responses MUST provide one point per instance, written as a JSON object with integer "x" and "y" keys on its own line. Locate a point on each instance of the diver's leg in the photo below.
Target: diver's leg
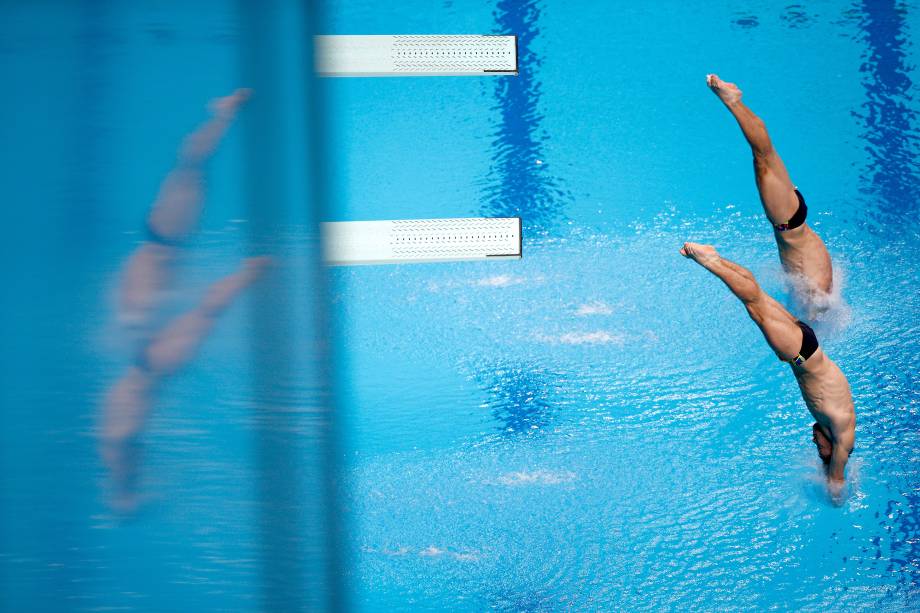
{"x": 178, "y": 206}
{"x": 175, "y": 346}
{"x": 775, "y": 322}
{"x": 129, "y": 400}
{"x": 777, "y": 193}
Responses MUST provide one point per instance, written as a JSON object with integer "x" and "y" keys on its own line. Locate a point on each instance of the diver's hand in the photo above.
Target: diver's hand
{"x": 837, "y": 490}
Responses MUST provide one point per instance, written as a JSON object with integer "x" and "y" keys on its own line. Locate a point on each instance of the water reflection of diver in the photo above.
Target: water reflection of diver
{"x": 161, "y": 350}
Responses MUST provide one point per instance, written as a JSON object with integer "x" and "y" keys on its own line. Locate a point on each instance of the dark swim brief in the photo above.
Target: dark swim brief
{"x": 809, "y": 344}
{"x": 798, "y": 218}
{"x": 141, "y": 362}
{"x": 156, "y": 237}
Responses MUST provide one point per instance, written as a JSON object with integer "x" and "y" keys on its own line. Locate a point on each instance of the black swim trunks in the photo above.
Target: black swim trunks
{"x": 809, "y": 344}
{"x": 798, "y": 218}
{"x": 154, "y": 236}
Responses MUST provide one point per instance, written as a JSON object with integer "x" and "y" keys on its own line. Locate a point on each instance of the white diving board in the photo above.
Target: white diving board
{"x": 415, "y": 55}
{"x": 404, "y": 241}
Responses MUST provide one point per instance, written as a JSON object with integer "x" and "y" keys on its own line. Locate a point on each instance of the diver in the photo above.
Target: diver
{"x": 801, "y": 251}
{"x": 161, "y": 348}
{"x": 824, "y": 387}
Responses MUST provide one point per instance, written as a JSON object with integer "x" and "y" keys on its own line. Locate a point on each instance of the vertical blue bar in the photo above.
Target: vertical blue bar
{"x": 294, "y": 421}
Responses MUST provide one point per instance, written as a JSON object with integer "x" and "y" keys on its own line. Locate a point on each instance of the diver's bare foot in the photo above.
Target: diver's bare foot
{"x": 227, "y": 106}
{"x": 699, "y": 253}
{"x": 253, "y": 268}
{"x": 221, "y": 294}
{"x": 728, "y": 93}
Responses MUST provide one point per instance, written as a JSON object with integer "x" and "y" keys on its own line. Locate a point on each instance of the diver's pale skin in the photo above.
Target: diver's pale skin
{"x": 162, "y": 349}
{"x": 174, "y": 216}
{"x": 824, "y": 387}
{"x": 801, "y": 250}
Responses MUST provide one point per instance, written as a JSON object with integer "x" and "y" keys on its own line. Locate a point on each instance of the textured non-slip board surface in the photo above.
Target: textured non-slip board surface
{"x": 415, "y": 55}
{"x": 421, "y": 240}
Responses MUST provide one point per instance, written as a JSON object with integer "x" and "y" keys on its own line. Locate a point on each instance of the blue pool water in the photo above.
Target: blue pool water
{"x": 599, "y": 426}
{"x": 595, "y": 427}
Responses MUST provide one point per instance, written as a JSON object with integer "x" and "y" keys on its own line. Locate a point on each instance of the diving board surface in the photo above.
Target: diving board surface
{"x": 421, "y": 240}
{"x": 415, "y": 55}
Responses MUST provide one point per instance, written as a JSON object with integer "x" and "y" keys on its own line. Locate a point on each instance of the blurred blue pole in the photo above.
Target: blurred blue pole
{"x": 294, "y": 421}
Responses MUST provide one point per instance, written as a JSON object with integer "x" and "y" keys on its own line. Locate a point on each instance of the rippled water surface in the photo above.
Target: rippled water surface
{"x": 600, "y": 426}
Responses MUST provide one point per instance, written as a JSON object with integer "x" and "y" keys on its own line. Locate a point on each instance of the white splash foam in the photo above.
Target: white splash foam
{"x": 599, "y": 337}
{"x": 541, "y": 477}
{"x": 434, "y": 552}
{"x": 829, "y": 310}
{"x": 595, "y": 307}
{"x": 499, "y": 281}
{"x": 466, "y": 556}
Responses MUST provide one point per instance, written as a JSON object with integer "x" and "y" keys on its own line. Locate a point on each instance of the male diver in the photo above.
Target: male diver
{"x": 801, "y": 250}
{"x": 163, "y": 347}
{"x": 824, "y": 387}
